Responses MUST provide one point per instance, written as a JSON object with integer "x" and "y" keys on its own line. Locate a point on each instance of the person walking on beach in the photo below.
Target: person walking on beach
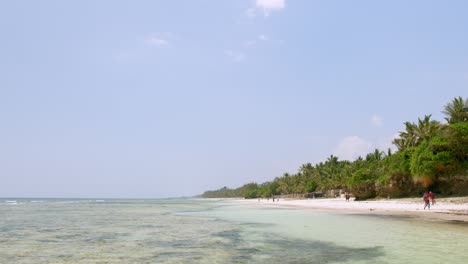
{"x": 426, "y": 201}
{"x": 431, "y": 196}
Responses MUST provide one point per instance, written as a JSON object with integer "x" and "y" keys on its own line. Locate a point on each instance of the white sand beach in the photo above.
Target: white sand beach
{"x": 447, "y": 209}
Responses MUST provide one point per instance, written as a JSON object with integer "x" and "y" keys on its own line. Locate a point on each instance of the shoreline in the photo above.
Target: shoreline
{"x": 445, "y": 209}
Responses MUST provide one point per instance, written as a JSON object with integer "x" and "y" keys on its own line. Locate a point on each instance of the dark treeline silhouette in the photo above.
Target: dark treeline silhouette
{"x": 431, "y": 155}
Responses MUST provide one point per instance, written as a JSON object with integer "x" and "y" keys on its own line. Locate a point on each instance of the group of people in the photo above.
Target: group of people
{"x": 268, "y": 199}
{"x": 428, "y": 199}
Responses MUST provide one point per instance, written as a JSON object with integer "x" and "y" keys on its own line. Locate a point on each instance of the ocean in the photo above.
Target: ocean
{"x": 210, "y": 231}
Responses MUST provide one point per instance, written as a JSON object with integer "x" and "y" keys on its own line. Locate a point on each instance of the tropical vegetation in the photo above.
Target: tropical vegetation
{"x": 430, "y": 155}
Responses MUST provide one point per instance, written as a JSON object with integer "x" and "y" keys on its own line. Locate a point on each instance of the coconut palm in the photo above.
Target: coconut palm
{"x": 332, "y": 171}
{"x": 284, "y": 184}
{"x": 306, "y": 169}
{"x": 389, "y": 152}
{"x": 456, "y": 111}
{"x": 426, "y": 128}
{"x": 408, "y": 138}
{"x": 377, "y": 155}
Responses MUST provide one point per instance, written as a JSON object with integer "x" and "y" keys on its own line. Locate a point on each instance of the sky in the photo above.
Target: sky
{"x": 152, "y": 99}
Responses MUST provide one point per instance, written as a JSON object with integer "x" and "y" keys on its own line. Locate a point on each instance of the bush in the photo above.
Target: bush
{"x": 458, "y": 140}
{"x": 362, "y": 184}
{"x": 433, "y": 159}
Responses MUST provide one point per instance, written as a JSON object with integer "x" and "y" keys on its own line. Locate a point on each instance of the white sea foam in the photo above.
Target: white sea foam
{"x": 71, "y": 202}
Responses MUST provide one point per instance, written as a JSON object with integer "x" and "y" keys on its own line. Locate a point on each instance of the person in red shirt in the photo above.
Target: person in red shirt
{"x": 426, "y": 201}
{"x": 431, "y": 196}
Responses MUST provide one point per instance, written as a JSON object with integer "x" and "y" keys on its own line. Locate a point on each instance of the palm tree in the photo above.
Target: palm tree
{"x": 377, "y": 155}
{"x": 306, "y": 169}
{"x": 284, "y": 184}
{"x": 408, "y": 138}
{"x": 332, "y": 170}
{"x": 389, "y": 152}
{"x": 426, "y": 128}
{"x": 399, "y": 143}
{"x": 456, "y": 111}
{"x": 416, "y": 133}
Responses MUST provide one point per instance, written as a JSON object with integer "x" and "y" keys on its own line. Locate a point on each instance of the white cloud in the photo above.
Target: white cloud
{"x": 376, "y": 120}
{"x": 156, "y": 41}
{"x": 267, "y": 6}
{"x": 270, "y": 5}
{"x": 262, "y": 37}
{"x": 235, "y": 55}
{"x": 352, "y": 147}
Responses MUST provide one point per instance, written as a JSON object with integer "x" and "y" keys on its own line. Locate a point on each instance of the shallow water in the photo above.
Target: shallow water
{"x": 194, "y": 231}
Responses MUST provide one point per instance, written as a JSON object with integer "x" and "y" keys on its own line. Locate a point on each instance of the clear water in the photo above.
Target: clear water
{"x": 193, "y": 231}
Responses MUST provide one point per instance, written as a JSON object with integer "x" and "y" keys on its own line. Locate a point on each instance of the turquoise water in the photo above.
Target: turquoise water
{"x": 194, "y": 231}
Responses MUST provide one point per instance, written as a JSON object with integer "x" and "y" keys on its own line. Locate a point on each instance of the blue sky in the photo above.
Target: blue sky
{"x": 171, "y": 98}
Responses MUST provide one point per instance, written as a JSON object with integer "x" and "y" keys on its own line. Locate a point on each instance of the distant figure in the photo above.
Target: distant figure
{"x": 273, "y": 199}
{"x": 347, "y": 196}
{"x": 426, "y": 201}
{"x": 431, "y": 196}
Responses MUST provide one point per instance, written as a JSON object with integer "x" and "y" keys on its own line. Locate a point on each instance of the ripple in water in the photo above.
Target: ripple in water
{"x": 187, "y": 231}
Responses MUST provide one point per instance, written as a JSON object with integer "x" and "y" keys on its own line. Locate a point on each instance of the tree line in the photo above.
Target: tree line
{"x": 430, "y": 155}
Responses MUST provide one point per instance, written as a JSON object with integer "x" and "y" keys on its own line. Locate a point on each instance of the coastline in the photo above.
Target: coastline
{"x": 453, "y": 209}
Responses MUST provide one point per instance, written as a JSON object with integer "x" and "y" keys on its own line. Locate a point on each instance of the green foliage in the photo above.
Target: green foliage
{"x": 458, "y": 140}
{"x": 361, "y": 176}
{"x": 377, "y": 155}
{"x": 456, "y": 111}
{"x": 249, "y": 190}
{"x": 422, "y": 164}
{"x": 433, "y": 159}
{"x": 427, "y": 150}
{"x": 311, "y": 186}
{"x": 222, "y": 193}
{"x": 267, "y": 189}
{"x": 250, "y": 194}
{"x": 415, "y": 134}
{"x": 398, "y": 163}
